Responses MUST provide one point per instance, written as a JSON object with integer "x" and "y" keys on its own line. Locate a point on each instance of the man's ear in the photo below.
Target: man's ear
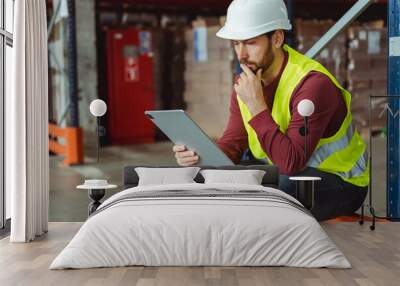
{"x": 278, "y": 39}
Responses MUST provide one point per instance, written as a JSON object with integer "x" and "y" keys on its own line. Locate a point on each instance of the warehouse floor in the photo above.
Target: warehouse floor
{"x": 67, "y": 204}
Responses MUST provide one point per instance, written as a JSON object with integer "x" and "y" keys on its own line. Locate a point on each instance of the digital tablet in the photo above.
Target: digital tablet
{"x": 182, "y": 130}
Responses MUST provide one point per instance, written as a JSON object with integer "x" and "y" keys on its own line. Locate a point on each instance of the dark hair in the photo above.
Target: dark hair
{"x": 269, "y": 34}
{"x": 285, "y": 35}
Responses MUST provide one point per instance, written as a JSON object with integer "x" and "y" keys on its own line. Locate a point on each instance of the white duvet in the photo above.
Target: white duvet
{"x": 200, "y": 231}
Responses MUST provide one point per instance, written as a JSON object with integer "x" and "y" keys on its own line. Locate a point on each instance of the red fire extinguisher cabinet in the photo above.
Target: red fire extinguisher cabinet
{"x": 130, "y": 85}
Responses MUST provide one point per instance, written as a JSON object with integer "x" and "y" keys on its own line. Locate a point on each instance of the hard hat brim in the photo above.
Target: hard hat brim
{"x": 226, "y": 33}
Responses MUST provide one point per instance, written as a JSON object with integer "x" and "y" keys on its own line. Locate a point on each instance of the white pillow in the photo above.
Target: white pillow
{"x": 248, "y": 177}
{"x": 162, "y": 176}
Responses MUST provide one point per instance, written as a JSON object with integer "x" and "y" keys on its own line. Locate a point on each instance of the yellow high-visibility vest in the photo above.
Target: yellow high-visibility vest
{"x": 343, "y": 154}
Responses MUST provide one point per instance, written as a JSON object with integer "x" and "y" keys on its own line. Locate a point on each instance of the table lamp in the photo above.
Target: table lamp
{"x": 305, "y": 186}
{"x": 98, "y": 108}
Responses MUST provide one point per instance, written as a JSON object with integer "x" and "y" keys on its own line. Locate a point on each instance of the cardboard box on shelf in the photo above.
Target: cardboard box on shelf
{"x": 206, "y": 22}
{"x": 380, "y": 84}
{"x": 208, "y": 84}
{"x": 312, "y": 27}
{"x": 360, "y": 105}
{"x": 212, "y": 55}
{"x": 196, "y": 87}
{"x": 222, "y": 77}
{"x": 358, "y": 64}
{"x": 367, "y": 68}
{"x": 213, "y": 66}
{"x": 365, "y": 42}
{"x": 334, "y": 56}
{"x": 214, "y": 98}
{"x": 213, "y": 42}
{"x": 358, "y": 84}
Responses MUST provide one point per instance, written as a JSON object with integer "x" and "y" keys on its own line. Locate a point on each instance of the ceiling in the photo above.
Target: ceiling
{"x": 333, "y": 9}
{"x": 220, "y": 4}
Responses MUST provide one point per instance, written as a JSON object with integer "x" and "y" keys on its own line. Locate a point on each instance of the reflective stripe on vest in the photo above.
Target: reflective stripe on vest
{"x": 343, "y": 154}
{"x": 327, "y": 150}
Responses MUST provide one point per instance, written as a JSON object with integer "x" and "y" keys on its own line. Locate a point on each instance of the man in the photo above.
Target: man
{"x": 264, "y": 116}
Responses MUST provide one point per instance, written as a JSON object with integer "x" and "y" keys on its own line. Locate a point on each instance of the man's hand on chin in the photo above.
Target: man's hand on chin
{"x": 250, "y": 90}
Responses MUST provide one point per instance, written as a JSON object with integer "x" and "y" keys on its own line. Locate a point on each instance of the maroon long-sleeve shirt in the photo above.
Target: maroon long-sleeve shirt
{"x": 286, "y": 150}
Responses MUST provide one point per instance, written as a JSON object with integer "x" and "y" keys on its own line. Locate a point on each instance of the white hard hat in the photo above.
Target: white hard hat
{"x": 247, "y": 19}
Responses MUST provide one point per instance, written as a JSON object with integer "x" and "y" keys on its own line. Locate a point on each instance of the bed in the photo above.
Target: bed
{"x": 198, "y": 224}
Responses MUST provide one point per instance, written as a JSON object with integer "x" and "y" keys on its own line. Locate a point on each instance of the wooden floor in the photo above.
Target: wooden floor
{"x": 375, "y": 257}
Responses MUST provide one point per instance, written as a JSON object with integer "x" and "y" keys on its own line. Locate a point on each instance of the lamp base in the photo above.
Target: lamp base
{"x": 305, "y": 187}
{"x": 305, "y": 193}
{"x": 95, "y": 195}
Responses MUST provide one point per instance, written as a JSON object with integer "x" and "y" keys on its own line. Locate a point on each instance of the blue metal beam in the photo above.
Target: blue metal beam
{"x": 393, "y": 139}
{"x": 72, "y": 65}
{"x": 340, "y": 25}
{"x": 291, "y": 40}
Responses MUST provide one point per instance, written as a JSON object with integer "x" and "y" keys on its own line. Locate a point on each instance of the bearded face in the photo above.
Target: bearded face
{"x": 255, "y": 53}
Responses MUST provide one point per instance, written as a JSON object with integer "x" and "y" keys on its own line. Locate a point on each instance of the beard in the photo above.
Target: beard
{"x": 264, "y": 64}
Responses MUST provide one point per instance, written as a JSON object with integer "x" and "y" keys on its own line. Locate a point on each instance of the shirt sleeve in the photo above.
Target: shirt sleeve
{"x": 286, "y": 150}
{"x": 234, "y": 139}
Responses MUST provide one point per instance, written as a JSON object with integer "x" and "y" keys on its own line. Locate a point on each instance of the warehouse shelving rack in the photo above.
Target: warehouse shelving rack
{"x": 393, "y": 89}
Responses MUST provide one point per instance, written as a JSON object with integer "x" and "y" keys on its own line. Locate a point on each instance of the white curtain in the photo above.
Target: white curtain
{"x": 27, "y": 157}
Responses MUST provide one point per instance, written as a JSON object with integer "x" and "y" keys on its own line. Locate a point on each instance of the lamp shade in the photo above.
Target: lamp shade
{"x": 98, "y": 107}
{"x": 305, "y": 107}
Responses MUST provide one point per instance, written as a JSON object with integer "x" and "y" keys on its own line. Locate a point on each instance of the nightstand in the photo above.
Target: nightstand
{"x": 96, "y": 191}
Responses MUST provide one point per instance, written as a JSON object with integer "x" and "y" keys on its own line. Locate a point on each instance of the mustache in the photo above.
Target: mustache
{"x": 257, "y": 67}
{"x": 244, "y": 62}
